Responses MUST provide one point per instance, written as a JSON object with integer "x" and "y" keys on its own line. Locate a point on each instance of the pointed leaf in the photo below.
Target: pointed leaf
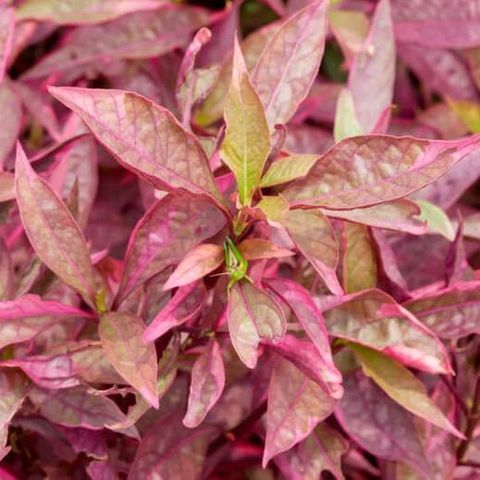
{"x": 346, "y": 122}
{"x": 296, "y": 404}
{"x": 287, "y": 169}
{"x": 374, "y": 319}
{"x": 313, "y": 235}
{"x": 208, "y": 381}
{"x": 373, "y": 71}
{"x": 7, "y": 27}
{"x": 166, "y": 233}
{"x": 260, "y": 248}
{"x": 359, "y": 259}
{"x": 183, "y": 306}
{"x": 122, "y": 340}
{"x": 402, "y": 386}
{"x": 198, "y": 263}
{"x": 52, "y": 231}
{"x": 252, "y": 316}
{"x": 290, "y": 61}
{"x": 79, "y": 12}
{"x": 247, "y": 140}
{"x": 161, "y": 152}
{"x": 380, "y": 168}
{"x": 437, "y": 220}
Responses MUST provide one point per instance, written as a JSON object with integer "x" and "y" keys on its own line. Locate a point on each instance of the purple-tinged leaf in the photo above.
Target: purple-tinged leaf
{"x": 314, "y": 237}
{"x": 183, "y": 306}
{"x": 161, "y": 152}
{"x": 253, "y": 316}
{"x": 167, "y": 232}
{"x": 380, "y": 168}
{"x": 246, "y": 146}
{"x": 52, "y": 231}
{"x": 101, "y": 470}
{"x": 134, "y": 360}
{"x": 169, "y": 450}
{"x": 78, "y": 12}
{"x": 286, "y": 69}
{"x": 75, "y": 407}
{"x": 7, "y": 27}
{"x": 321, "y": 450}
{"x": 439, "y": 70}
{"x": 378, "y": 424}
{"x": 359, "y": 268}
{"x": 260, "y": 248}
{"x": 296, "y": 404}
{"x": 452, "y": 312}
{"x": 10, "y": 118}
{"x": 26, "y": 317}
{"x": 402, "y": 386}
{"x": 208, "y": 381}
{"x": 135, "y": 36}
{"x": 372, "y": 318}
{"x": 198, "y": 263}
{"x": 46, "y": 371}
{"x": 373, "y": 71}
{"x": 307, "y": 313}
{"x": 287, "y": 169}
{"x": 437, "y": 23}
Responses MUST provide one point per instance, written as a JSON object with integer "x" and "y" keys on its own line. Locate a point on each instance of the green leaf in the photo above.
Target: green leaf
{"x": 437, "y": 220}
{"x": 402, "y": 386}
{"x": 247, "y": 139}
{"x": 287, "y": 169}
{"x": 346, "y": 122}
{"x": 468, "y": 113}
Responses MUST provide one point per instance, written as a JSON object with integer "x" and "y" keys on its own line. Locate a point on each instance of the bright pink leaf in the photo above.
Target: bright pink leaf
{"x": 380, "y": 169}
{"x": 252, "y": 316}
{"x": 198, "y": 263}
{"x": 52, "y": 231}
{"x": 134, "y": 360}
{"x": 161, "y": 152}
{"x": 183, "y": 306}
{"x": 296, "y": 404}
{"x": 372, "y": 318}
{"x": 167, "y": 232}
{"x": 208, "y": 381}
{"x": 373, "y": 71}
{"x": 285, "y": 71}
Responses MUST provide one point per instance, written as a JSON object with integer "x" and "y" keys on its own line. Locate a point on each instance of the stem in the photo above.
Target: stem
{"x": 472, "y": 420}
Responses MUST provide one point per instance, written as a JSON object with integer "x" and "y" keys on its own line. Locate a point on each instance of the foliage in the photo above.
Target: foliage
{"x": 220, "y": 260}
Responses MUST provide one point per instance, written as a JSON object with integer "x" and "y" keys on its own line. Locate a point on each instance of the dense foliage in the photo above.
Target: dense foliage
{"x": 239, "y": 241}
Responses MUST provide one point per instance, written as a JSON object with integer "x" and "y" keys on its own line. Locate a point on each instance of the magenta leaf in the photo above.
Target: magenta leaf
{"x": 134, "y": 360}
{"x": 289, "y": 63}
{"x": 373, "y": 71}
{"x": 169, "y": 450}
{"x": 198, "y": 263}
{"x": 296, "y": 404}
{"x": 48, "y": 222}
{"x": 163, "y": 153}
{"x": 253, "y": 316}
{"x": 167, "y": 232}
{"x": 381, "y": 168}
{"x": 7, "y": 26}
{"x": 208, "y": 381}
{"x": 372, "y": 318}
{"x": 182, "y": 307}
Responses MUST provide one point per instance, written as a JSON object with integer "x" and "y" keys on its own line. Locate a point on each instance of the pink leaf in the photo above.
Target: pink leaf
{"x": 7, "y": 278}
{"x": 183, "y": 306}
{"x": 252, "y": 316}
{"x": 296, "y": 404}
{"x": 208, "y": 381}
{"x": 198, "y": 263}
{"x": 11, "y": 118}
{"x": 7, "y": 26}
{"x": 313, "y": 235}
{"x": 373, "y": 71}
{"x": 7, "y": 186}
{"x": 372, "y": 318}
{"x": 171, "y": 228}
{"x": 161, "y": 152}
{"x": 260, "y": 248}
{"x": 380, "y": 169}
{"x": 52, "y": 231}
{"x": 134, "y": 360}
{"x": 289, "y": 63}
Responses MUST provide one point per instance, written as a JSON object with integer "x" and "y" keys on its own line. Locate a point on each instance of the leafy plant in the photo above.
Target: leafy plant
{"x": 216, "y": 261}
